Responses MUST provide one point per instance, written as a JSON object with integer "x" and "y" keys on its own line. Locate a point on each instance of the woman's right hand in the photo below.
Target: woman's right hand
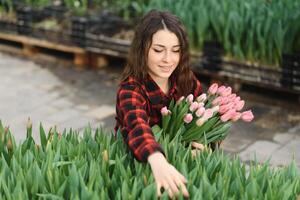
{"x": 167, "y": 176}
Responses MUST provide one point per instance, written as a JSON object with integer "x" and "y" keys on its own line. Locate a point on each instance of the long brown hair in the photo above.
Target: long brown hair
{"x": 137, "y": 58}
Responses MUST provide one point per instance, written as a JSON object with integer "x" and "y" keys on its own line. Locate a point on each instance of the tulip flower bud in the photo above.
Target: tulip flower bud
{"x": 202, "y": 97}
{"x": 226, "y": 92}
{"x": 215, "y": 109}
{"x": 29, "y": 123}
{"x": 188, "y": 118}
{"x": 193, "y": 106}
{"x": 201, "y": 104}
{"x": 200, "y": 121}
{"x": 105, "y": 155}
{"x": 239, "y": 105}
{"x": 200, "y": 111}
{"x": 228, "y": 115}
{"x": 236, "y": 116}
{"x": 221, "y": 89}
{"x": 213, "y": 88}
{"x": 237, "y": 99}
{"x": 190, "y": 98}
{"x": 216, "y": 101}
{"x": 232, "y": 97}
{"x": 179, "y": 100}
{"x": 224, "y": 100}
{"x": 164, "y": 111}
{"x": 247, "y": 116}
{"x": 208, "y": 113}
{"x": 224, "y": 108}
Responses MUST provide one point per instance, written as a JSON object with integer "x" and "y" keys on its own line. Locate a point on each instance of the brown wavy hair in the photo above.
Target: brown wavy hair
{"x": 136, "y": 65}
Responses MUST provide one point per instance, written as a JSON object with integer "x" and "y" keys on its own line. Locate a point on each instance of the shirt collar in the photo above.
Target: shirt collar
{"x": 155, "y": 93}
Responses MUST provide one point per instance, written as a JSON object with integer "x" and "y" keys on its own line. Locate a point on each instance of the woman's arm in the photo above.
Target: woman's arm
{"x": 131, "y": 106}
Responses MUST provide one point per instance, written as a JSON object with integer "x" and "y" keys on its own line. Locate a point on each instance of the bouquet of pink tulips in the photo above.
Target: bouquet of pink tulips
{"x": 206, "y": 118}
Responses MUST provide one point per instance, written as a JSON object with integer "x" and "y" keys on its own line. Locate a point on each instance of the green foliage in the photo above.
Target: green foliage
{"x": 98, "y": 166}
{"x": 6, "y": 7}
{"x": 36, "y": 3}
{"x": 79, "y": 7}
{"x": 253, "y": 30}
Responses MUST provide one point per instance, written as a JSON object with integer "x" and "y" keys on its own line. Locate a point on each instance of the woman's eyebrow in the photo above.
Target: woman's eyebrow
{"x": 160, "y": 45}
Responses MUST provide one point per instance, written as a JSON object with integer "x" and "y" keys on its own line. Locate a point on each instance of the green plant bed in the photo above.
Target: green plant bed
{"x": 255, "y": 30}
{"x": 98, "y": 166}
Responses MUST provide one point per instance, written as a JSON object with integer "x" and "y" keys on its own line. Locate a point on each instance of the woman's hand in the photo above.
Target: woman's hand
{"x": 197, "y": 148}
{"x": 167, "y": 176}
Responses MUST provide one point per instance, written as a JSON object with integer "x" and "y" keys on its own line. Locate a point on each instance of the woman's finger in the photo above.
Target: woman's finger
{"x": 158, "y": 187}
{"x": 173, "y": 186}
{"x": 168, "y": 189}
{"x": 180, "y": 184}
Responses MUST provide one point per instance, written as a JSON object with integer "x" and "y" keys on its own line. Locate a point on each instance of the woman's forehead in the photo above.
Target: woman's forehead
{"x": 165, "y": 38}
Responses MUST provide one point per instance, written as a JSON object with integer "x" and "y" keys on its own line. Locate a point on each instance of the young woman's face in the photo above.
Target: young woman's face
{"x": 163, "y": 55}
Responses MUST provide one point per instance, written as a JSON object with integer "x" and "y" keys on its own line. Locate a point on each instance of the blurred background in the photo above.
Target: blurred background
{"x": 61, "y": 60}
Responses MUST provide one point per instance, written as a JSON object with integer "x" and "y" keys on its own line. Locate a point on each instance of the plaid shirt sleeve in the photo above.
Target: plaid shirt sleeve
{"x": 131, "y": 106}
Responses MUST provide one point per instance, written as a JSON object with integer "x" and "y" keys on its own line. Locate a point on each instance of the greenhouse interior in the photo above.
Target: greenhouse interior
{"x": 150, "y": 99}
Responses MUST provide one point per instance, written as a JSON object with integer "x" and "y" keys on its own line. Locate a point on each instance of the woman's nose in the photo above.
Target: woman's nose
{"x": 167, "y": 57}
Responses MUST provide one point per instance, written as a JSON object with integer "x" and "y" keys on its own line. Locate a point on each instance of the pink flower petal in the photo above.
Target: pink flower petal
{"x": 213, "y": 88}
{"x": 188, "y": 118}
{"x": 200, "y": 111}
{"x": 190, "y": 98}
{"x": 221, "y": 89}
{"x": 193, "y": 106}
{"x": 164, "y": 111}
{"x": 202, "y": 97}
{"x": 247, "y": 116}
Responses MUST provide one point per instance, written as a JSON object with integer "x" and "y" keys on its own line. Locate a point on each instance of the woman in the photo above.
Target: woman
{"x": 157, "y": 70}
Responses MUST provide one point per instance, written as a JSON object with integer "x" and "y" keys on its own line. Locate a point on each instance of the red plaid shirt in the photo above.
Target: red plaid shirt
{"x": 138, "y": 109}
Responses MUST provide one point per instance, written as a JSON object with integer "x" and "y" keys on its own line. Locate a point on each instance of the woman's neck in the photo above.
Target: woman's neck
{"x": 162, "y": 83}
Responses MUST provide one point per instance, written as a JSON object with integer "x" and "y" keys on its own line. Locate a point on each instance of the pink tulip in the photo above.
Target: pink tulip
{"x": 164, "y": 111}
{"x": 215, "y": 108}
{"x": 200, "y": 111}
{"x": 239, "y": 105}
{"x": 200, "y": 121}
{"x": 224, "y": 108}
{"x": 226, "y": 92}
{"x": 232, "y": 97}
{"x": 247, "y": 116}
{"x": 201, "y": 104}
{"x": 224, "y": 100}
{"x": 188, "y": 118}
{"x": 237, "y": 99}
{"x": 193, "y": 106}
{"x": 213, "y": 88}
{"x": 208, "y": 113}
{"x": 221, "y": 89}
{"x": 179, "y": 100}
{"x": 236, "y": 116}
{"x": 202, "y": 97}
{"x": 228, "y": 115}
{"x": 190, "y": 98}
{"x": 216, "y": 101}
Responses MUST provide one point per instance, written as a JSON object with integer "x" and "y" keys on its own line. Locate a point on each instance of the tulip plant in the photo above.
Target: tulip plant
{"x": 97, "y": 165}
{"x": 205, "y": 119}
{"x": 256, "y": 31}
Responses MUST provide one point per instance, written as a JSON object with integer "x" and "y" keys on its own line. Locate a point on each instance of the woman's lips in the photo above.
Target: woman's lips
{"x": 165, "y": 68}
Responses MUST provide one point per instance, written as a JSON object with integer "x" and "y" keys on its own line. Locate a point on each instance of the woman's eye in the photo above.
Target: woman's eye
{"x": 158, "y": 51}
{"x": 176, "y": 51}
